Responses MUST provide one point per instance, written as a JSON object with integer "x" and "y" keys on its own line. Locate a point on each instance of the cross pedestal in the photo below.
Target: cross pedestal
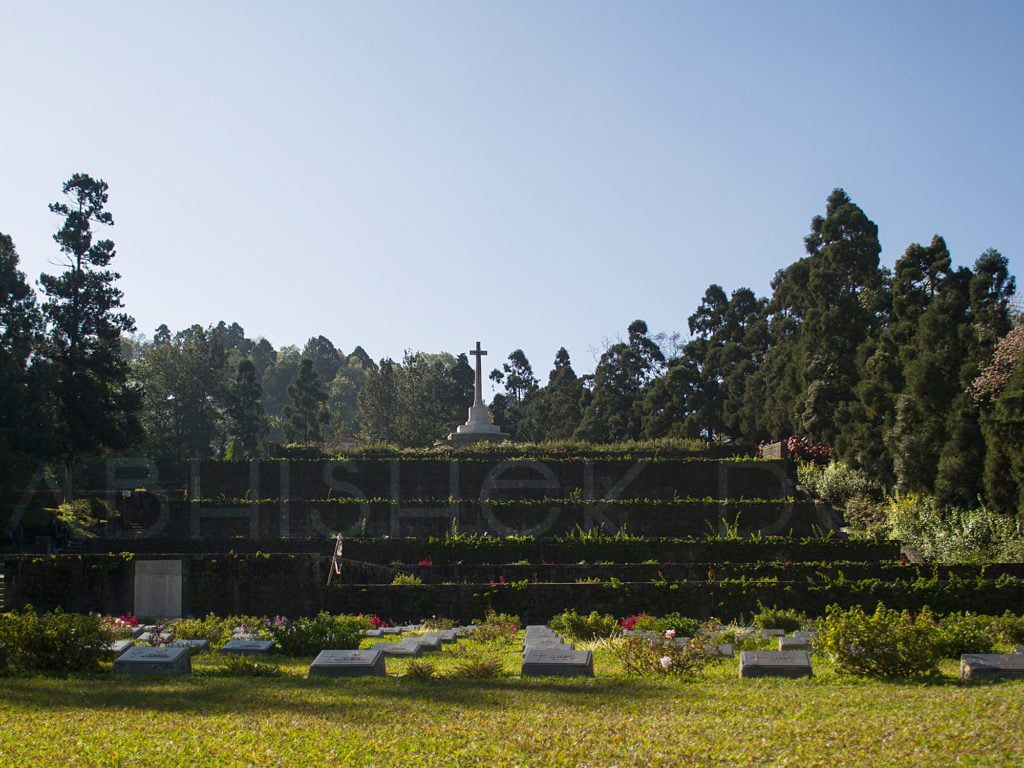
{"x": 478, "y": 426}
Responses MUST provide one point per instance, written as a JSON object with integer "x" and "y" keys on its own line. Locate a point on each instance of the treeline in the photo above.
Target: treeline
{"x": 913, "y": 374}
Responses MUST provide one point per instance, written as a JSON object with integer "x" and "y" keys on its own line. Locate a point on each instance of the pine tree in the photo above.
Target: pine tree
{"x": 95, "y": 407}
{"x": 244, "y": 410}
{"x": 306, "y": 416}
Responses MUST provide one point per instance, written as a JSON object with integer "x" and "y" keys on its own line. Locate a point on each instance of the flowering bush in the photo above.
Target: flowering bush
{"x": 497, "y": 627}
{"x": 120, "y": 626}
{"x": 219, "y": 630}
{"x": 678, "y": 623}
{"x": 376, "y": 622}
{"x": 885, "y": 644}
{"x": 661, "y": 656}
{"x": 428, "y": 560}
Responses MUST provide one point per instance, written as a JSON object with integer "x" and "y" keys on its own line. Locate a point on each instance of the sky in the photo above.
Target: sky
{"x": 418, "y": 176}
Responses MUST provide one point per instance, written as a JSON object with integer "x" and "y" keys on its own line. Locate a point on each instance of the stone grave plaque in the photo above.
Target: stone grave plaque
{"x": 775, "y": 664}
{"x": 773, "y": 633}
{"x": 719, "y": 650}
{"x": 557, "y": 662}
{"x": 405, "y": 650}
{"x": 117, "y": 647}
{"x": 991, "y": 666}
{"x": 447, "y": 636}
{"x": 374, "y": 632}
{"x": 195, "y": 646}
{"x": 794, "y": 643}
{"x": 368, "y": 663}
{"x": 431, "y": 643}
{"x": 140, "y": 660}
{"x": 390, "y": 631}
{"x": 158, "y": 588}
{"x": 249, "y": 647}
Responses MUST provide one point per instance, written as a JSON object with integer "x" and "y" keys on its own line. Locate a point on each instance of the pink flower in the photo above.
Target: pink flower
{"x": 670, "y": 633}
{"x": 666, "y": 662}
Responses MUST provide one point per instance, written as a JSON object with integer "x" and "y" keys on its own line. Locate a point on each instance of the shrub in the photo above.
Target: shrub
{"x": 212, "y": 628}
{"x": 477, "y": 669}
{"x": 789, "y": 619}
{"x": 1008, "y": 628}
{"x": 885, "y": 644}
{"x": 961, "y": 633}
{"x": 954, "y": 535}
{"x": 308, "y": 636}
{"x": 579, "y": 627}
{"x": 683, "y": 625}
{"x": 237, "y": 664}
{"x": 639, "y": 656}
{"x": 437, "y": 623}
{"x": 497, "y": 627}
{"x": 54, "y": 642}
{"x": 83, "y": 515}
{"x": 406, "y": 580}
{"x": 421, "y": 669}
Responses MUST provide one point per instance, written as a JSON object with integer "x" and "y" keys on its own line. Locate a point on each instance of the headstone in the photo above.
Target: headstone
{"x": 141, "y": 660}
{"x": 374, "y": 632}
{"x": 368, "y": 663}
{"x": 391, "y": 631}
{"x": 991, "y": 666}
{"x": 195, "y": 646}
{"x": 146, "y": 638}
{"x": 448, "y": 636}
{"x": 249, "y": 647}
{"x": 773, "y": 633}
{"x": 557, "y": 662}
{"x": 406, "y": 649}
{"x": 431, "y": 642}
{"x": 719, "y": 650}
{"x": 795, "y": 643}
{"x": 775, "y": 664}
{"x": 158, "y": 588}
{"x": 117, "y": 647}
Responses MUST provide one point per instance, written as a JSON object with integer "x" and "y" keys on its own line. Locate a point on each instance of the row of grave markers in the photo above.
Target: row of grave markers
{"x": 545, "y": 654}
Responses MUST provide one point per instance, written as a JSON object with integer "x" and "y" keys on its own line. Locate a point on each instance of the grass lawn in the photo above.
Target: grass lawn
{"x": 713, "y": 719}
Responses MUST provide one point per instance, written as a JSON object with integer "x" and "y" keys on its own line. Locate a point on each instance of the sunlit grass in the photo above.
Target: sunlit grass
{"x": 713, "y": 719}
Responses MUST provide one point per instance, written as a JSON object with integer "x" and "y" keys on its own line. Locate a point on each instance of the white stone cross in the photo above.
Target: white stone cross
{"x": 478, "y": 398}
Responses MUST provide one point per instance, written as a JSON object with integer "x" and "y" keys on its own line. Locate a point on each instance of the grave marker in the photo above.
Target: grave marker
{"x": 249, "y": 647}
{"x": 140, "y": 660}
{"x": 991, "y": 666}
{"x": 195, "y": 646}
{"x": 368, "y": 663}
{"x": 556, "y": 662}
{"x": 775, "y": 664}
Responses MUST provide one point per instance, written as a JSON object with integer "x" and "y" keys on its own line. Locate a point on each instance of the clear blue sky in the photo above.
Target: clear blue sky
{"x": 530, "y": 174}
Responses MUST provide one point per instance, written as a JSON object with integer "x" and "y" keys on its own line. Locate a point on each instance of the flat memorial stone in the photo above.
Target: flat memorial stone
{"x": 367, "y": 663}
{"x": 142, "y": 660}
{"x": 775, "y": 664}
{"x": 373, "y": 632}
{"x": 430, "y": 643}
{"x": 991, "y": 666}
{"x": 556, "y": 662}
{"x": 404, "y": 649}
{"x": 448, "y": 636}
{"x": 391, "y": 631}
{"x": 719, "y": 650}
{"x": 795, "y": 643}
{"x": 249, "y": 647}
{"x": 117, "y": 647}
{"x": 773, "y": 633}
{"x": 195, "y": 646}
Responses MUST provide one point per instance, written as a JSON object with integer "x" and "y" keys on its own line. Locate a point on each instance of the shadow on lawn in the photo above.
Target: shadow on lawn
{"x": 362, "y": 700}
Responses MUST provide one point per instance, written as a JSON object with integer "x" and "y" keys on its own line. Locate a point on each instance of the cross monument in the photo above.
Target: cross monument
{"x": 478, "y": 426}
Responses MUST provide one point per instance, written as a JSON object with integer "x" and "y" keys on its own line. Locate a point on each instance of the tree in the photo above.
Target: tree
{"x": 24, "y": 429}
{"x": 306, "y": 416}
{"x": 185, "y": 384}
{"x": 519, "y": 386}
{"x": 553, "y": 413}
{"x": 378, "y": 404}
{"x": 95, "y": 406}
{"x": 244, "y": 409}
{"x": 326, "y": 358}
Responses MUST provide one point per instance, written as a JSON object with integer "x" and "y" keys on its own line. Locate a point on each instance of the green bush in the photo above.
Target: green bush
{"x": 683, "y": 625}
{"x": 577, "y": 626}
{"x": 1008, "y": 628}
{"x": 54, "y": 642}
{"x": 954, "y": 535}
{"x": 213, "y": 628}
{"x": 789, "y": 619}
{"x": 309, "y": 636}
{"x": 961, "y": 633}
{"x": 885, "y": 644}
{"x": 406, "y": 580}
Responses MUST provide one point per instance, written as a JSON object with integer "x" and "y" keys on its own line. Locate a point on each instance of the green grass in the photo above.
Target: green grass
{"x": 713, "y": 719}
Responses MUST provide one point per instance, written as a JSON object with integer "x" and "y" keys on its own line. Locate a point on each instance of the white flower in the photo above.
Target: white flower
{"x": 666, "y": 662}
{"x": 670, "y": 633}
